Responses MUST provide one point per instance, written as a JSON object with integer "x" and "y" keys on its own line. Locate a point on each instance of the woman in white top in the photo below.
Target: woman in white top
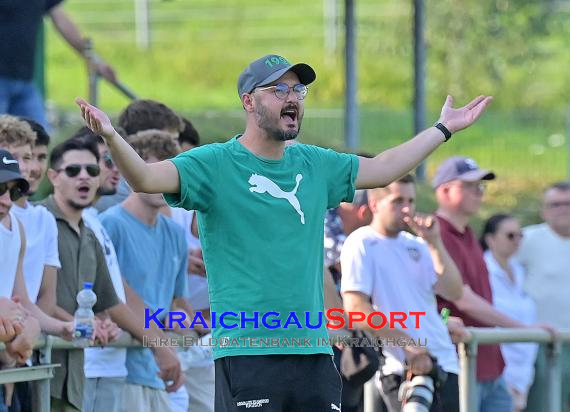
{"x": 500, "y": 239}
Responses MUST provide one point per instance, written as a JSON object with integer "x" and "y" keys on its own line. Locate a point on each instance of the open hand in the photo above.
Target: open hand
{"x": 96, "y": 119}
{"x": 463, "y": 117}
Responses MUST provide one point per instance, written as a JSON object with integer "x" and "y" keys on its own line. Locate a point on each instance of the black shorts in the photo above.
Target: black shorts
{"x": 277, "y": 383}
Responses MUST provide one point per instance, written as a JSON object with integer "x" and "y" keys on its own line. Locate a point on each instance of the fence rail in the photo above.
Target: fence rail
{"x": 467, "y": 360}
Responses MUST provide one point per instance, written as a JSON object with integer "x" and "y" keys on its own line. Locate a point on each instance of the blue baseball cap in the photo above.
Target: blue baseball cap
{"x": 269, "y": 68}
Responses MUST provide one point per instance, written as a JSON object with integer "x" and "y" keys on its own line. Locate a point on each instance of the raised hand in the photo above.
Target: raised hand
{"x": 424, "y": 226}
{"x": 96, "y": 119}
{"x": 463, "y": 117}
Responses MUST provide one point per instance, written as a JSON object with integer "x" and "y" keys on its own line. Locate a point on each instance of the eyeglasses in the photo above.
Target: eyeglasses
{"x": 15, "y": 191}
{"x": 108, "y": 161}
{"x": 514, "y": 235}
{"x": 73, "y": 170}
{"x": 282, "y": 90}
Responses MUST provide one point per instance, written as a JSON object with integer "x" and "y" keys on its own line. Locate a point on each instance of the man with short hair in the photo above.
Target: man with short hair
{"x": 74, "y": 173}
{"x": 388, "y": 269}
{"x": 152, "y": 253}
{"x": 19, "y": 329}
{"x": 544, "y": 252}
{"x": 188, "y": 138}
{"x": 140, "y": 115}
{"x": 281, "y": 193}
{"x": 459, "y": 185}
{"x": 26, "y": 139}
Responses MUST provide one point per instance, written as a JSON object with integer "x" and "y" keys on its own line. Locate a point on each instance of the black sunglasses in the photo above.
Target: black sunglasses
{"x": 73, "y": 170}
{"x": 15, "y": 192}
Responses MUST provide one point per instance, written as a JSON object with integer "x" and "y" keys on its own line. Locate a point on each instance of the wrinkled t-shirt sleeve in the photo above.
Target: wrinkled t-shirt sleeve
{"x": 198, "y": 171}
{"x": 341, "y": 170}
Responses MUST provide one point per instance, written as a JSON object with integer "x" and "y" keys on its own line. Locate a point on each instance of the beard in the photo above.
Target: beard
{"x": 78, "y": 206}
{"x": 270, "y": 123}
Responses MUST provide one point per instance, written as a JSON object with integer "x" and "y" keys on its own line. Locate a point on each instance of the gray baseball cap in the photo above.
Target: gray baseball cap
{"x": 460, "y": 168}
{"x": 269, "y": 68}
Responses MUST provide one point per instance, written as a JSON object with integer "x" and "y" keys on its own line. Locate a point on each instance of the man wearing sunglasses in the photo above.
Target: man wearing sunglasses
{"x": 261, "y": 207}
{"x": 74, "y": 173}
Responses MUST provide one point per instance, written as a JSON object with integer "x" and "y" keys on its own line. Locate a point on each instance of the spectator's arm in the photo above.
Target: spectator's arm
{"x": 69, "y": 31}
{"x": 481, "y": 310}
{"x": 359, "y": 302}
{"x": 449, "y": 284}
{"x": 47, "y": 295}
{"x": 332, "y": 298}
{"x": 133, "y": 322}
{"x": 47, "y": 324}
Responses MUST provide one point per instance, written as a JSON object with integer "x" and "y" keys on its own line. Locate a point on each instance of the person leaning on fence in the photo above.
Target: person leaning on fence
{"x": 74, "y": 174}
{"x": 386, "y": 268}
{"x": 153, "y": 256}
{"x": 140, "y": 115}
{"x": 41, "y": 259}
{"x": 15, "y": 282}
{"x": 19, "y": 26}
{"x": 282, "y": 193}
{"x": 500, "y": 240}
{"x": 27, "y": 140}
{"x": 544, "y": 252}
{"x": 459, "y": 185}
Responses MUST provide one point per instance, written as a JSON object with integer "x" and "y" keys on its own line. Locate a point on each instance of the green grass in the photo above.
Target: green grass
{"x": 199, "y": 47}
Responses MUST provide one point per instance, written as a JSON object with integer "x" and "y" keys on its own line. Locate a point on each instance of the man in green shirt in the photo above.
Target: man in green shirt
{"x": 261, "y": 206}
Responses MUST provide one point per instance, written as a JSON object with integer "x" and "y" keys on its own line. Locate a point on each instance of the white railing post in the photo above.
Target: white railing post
{"x": 468, "y": 376}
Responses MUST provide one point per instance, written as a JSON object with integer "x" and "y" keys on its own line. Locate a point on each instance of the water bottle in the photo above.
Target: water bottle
{"x": 84, "y": 316}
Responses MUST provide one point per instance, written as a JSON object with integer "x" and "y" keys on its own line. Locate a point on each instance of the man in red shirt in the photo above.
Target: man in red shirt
{"x": 459, "y": 187}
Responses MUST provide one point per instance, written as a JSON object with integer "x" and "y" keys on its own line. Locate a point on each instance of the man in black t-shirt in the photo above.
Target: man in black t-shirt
{"x": 19, "y": 25}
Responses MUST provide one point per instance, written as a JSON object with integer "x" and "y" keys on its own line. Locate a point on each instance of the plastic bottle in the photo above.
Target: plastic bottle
{"x": 84, "y": 316}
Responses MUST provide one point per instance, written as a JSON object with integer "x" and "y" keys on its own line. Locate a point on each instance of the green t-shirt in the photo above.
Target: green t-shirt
{"x": 261, "y": 224}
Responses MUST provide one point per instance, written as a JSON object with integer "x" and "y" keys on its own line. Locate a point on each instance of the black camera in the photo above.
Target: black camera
{"x": 417, "y": 392}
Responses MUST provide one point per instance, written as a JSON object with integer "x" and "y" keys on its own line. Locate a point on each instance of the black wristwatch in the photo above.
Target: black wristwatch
{"x": 443, "y": 130}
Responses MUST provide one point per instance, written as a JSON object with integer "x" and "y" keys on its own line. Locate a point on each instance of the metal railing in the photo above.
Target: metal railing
{"x": 94, "y": 77}
{"x": 468, "y": 365}
{"x": 42, "y": 373}
{"x": 467, "y": 361}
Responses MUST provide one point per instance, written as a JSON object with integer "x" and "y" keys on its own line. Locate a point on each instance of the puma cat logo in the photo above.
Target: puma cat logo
{"x": 261, "y": 184}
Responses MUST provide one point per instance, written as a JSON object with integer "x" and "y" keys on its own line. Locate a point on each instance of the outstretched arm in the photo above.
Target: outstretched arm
{"x": 159, "y": 177}
{"x": 396, "y": 162}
